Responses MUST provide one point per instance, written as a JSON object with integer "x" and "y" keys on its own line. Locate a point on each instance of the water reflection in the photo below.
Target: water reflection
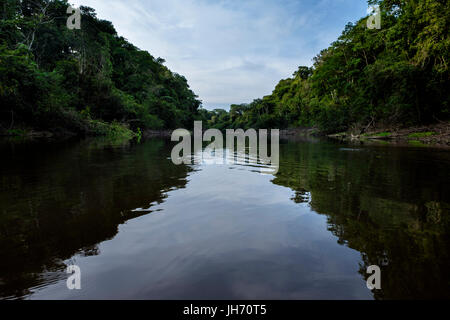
{"x": 141, "y": 228}
{"x": 390, "y": 204}
{"x": 62, "y": 199}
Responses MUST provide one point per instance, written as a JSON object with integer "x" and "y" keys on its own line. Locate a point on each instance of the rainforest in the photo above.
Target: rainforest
{"x": 96, "y": 201}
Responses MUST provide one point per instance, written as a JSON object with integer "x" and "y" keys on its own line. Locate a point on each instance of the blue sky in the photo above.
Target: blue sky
{"x": 231, "y": 51}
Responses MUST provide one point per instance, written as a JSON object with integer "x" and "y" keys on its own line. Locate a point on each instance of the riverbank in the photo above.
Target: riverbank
{"x": 86, "y": 199}
{"x": 437, "y": 135}
{"x": 156, "y": 133}
{"x": 87, "y": 128}
{"x": 107, "y": 130}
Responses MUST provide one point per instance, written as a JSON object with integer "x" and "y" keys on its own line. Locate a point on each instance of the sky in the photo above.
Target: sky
{"x": 230, "y": 51}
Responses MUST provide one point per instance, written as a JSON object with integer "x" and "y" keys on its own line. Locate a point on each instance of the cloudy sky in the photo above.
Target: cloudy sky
{"x": 231, "y": 51}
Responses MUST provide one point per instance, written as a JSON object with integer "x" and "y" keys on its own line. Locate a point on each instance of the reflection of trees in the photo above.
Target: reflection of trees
{"x": 59, "y": 200}
{"x": 389, "y": 204}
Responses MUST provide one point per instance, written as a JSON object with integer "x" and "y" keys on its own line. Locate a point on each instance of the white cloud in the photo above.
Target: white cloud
{"x": 230, "y": 51}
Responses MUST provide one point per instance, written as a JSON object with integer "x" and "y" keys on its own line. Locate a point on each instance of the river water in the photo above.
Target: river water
{"x": 140, "y": 227}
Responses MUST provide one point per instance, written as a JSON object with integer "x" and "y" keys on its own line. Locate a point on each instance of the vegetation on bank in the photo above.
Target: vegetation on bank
{"x": 94, "y": 82}
{"x": 437, "y": 135}
{"x": 421, "y": 134}
{"x": 89, "y": 81}
{"x": 397, "y": 75}
{"x": 381, "y": 134}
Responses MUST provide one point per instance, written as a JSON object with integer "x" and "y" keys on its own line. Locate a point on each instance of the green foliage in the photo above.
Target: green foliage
{"x": 114, "y": 129}
{"x": 139, "y": 135}
{"x": 381, "y": 134}
{"x": 421, "y": 134}
{"x": 85, "y": 81}
{"x": 17, "y": 132}
{"x": 53, "y": 78}
{"x": 396, "y": 75}
{"x": 417, "y": 143}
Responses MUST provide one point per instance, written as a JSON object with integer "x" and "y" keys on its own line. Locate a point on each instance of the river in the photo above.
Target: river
{"x": 140, "y": 227}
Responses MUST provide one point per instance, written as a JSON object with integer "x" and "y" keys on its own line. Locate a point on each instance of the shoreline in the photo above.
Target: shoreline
{"x": 435, "y": 135}
{"x": 156, "y": 133}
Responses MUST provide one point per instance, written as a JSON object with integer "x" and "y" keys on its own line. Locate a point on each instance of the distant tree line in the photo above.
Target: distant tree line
{"x": 84, "y": 81}
{"x": 397, "y": 75}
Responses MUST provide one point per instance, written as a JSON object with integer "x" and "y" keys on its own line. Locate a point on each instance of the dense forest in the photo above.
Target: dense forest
{"x": 84, "y": 81}
{"x": 397, "y": 75}
{"x": 93, "y": 81}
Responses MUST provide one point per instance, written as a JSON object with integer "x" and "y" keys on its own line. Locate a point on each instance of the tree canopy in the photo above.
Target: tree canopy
{"x": 52, "y": 77}
{"x": 83, "y": 80}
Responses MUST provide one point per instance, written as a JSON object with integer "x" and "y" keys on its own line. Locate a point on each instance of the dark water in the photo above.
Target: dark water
{"x": 140, "y": 227}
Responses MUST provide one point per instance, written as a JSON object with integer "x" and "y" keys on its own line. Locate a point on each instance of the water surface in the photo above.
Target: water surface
{"x": 140, "y": 227}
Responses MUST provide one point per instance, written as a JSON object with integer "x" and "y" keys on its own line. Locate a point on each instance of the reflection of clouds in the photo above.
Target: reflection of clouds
{"x": 230, "y": 234}
{"x": 245, "y": 160}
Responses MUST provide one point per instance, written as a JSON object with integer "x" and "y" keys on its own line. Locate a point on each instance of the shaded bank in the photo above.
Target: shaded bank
{"x": 85, "y": 82}
{"x": 437, "y": 135}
